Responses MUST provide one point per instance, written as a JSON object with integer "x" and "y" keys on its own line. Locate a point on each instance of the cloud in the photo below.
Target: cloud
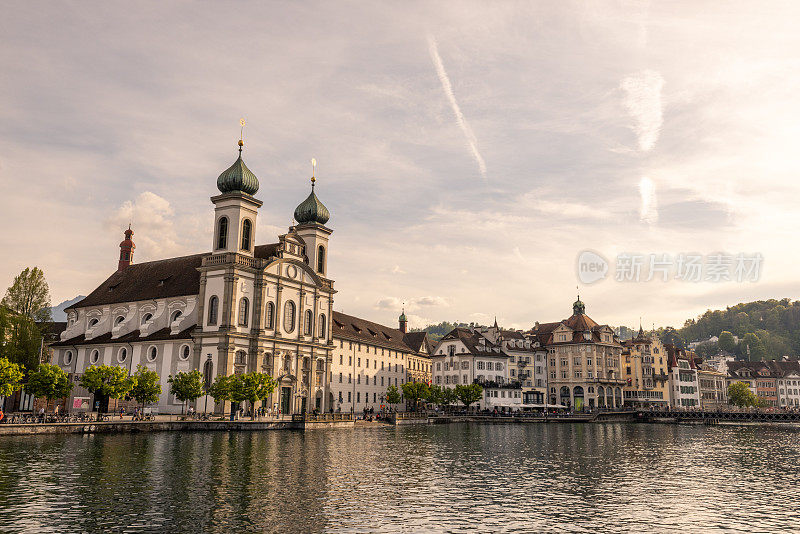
{"x": 447, "y": 87}
{"x": 643, "y": 102}
{"x": 414, "y": 303}
{"x": 648, "y": 211}
{"x": 152, "y": 220}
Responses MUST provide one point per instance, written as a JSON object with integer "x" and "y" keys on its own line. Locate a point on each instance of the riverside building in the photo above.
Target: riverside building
{"x": 683, "y": 383}
{"x": 237, "y": 308}
{"x": 644, "y": 368}
{"x": 584, "y": 361}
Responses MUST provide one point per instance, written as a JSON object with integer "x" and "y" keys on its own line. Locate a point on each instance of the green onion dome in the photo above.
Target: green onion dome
{"x": 311, "y": 210}
{"x": 238, "y": 177}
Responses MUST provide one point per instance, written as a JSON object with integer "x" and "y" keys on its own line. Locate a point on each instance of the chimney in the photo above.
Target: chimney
{"x": 126, "y": 250}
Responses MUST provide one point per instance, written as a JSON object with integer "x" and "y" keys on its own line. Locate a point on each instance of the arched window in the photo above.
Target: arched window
{"x": 322, "y": 330}
{"x": 308, "y": 327}
{"x": 289, "y": 316}
{"x": 247, "y": 227}
{"x": 146, "y": 317}
{"x": 321, "y": 260}
{"x": 244, "y": 308}
{"x": 270, "y": 319}
{"x": 241, "y": 357}
{"x": 213, "y": 307}
{"x": 222, "y": 233}
{"x": 119, "y": 320}
{"x": 93, "y": 323}
{"x": 175, "y": 316}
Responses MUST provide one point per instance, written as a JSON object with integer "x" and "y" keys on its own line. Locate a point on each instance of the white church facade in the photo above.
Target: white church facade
{"x": 240, "y": 307}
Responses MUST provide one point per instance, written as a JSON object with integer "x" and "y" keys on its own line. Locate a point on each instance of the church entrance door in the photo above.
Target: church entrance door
{"x": 286, "y": 397}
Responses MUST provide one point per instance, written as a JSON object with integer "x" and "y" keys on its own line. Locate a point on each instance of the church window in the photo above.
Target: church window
{"x": 322, "y": 325}
{"x": 185, "y": 351}
{"x": 244, "y": 308}
{"x": 208, "y": 370}
{"x": 94, "y": 357}
{"x": 93, "y": 322}
{"x": 270, "y": 315}
{"x": 122, "y": 355}
{"x": 289, "y": 316}
{"x": 222, "y": 233}
{"x": 68, "y": 357}
{"x": 146, "y": 318}
{"x": 247, "y": 227}
{"x": 152, "y": 354}
{"x": 321, "y": 260}
{"x": 176, "y": 315}
{"x": 119, "y": 320}
{"x": 308, "y": 327}
{"x": 241, "y": 357}
{"x": 213, "y": 308}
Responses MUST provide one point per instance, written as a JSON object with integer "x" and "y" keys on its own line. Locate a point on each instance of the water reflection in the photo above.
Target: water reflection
{"x": 443, "y": 478}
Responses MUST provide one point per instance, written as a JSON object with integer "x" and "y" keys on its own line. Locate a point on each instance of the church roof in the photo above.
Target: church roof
{"x": 173, "y": 277}
{"x": 416, "y": 340}
{"x": 311, "y": 210}
{"x": 238, "y": 178}
{"x": 164, "y": 334}
{"x": 360, "y": 330}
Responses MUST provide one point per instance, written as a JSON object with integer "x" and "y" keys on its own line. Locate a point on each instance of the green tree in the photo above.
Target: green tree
{"x": 414, "y": 391}
{"x": 447, "y": 397}
{"x": 11, "y": 375}
{"x": 107, "y": 381}
{"x": 49, "y": 382}
{"x": 468, "y": 393}
{"x": 20, "y": 339}
{"x": 726, "y": 341}
{"x": 393, "y": 395}
{"x": 220, "y": 390}
{"x": 146, "y": 387}
{"x": 752, "y": 348}
{"x": 29, "y": 296}
{"x": 186, "y": 386}
{"x": 252, "y": 387}
{"x": 434, "y": 395}
{"x": 739, "y": 394}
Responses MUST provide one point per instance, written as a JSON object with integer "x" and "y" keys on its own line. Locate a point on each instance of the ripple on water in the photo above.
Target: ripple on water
{"x": 457, "y": 478}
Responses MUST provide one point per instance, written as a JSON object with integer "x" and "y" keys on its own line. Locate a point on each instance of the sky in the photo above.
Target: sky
{"x": 468, "y": 152}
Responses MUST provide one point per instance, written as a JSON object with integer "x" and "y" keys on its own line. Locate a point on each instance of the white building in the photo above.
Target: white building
{"x": 684, "y": 385}
{"x": 240, "y": 307}
{"x": 475, "y": 355}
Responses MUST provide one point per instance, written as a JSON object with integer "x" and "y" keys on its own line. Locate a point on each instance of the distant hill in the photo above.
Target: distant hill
{"x": 438, "y": 331}
{"x": 59, "y": 315}
{"x": 775, "y": 324}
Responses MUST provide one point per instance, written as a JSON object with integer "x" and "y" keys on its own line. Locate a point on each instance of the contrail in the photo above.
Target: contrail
{"x": 472, "y": 141}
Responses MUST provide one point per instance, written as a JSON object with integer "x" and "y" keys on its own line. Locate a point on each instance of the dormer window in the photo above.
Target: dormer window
{"x": 93, "y": 323}
{"x": 176, "y": 315}
{"x": 146, "y": 318}
{"x": 118, "y": 321}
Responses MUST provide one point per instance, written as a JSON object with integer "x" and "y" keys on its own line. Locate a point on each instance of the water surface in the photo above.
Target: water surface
{"x": 453, "y": 478}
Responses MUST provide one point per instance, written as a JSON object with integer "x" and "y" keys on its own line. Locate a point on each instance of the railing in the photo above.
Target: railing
{"x": 410, "y": 415}
{"x": 231, "y": 257}
{"x": 322, "y": 417}
{"x": 722, "y": 415}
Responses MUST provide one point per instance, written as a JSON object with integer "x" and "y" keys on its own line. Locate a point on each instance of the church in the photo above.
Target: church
{"x": 239, "y": 308}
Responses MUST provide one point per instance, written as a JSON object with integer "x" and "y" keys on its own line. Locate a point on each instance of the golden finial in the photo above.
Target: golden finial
{"x": 241, "y": 135}
{"x": 313, "y": 171}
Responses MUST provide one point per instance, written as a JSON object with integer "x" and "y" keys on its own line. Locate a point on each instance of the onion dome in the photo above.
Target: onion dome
{"x": 578, "y": 307}
{"x": 238, "y": 178}
{"x": 403, "y": 316}
{"x": 311, "y": 210}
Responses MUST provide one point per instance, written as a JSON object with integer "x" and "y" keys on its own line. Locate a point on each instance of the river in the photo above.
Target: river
{"x": 454, "y": 478}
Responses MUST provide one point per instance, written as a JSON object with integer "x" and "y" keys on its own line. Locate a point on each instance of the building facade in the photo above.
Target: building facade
{"x": 644, "y": 367}
{"x": 584, "y": 362}
{"x": 713, "y": 387}
{"x": 683, "y": 383}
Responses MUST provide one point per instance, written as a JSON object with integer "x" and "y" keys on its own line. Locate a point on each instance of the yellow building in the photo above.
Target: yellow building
{"x": 644, "y": 367}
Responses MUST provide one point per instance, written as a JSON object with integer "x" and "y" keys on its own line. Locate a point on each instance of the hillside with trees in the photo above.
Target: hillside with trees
{"x": 770, "y": 329}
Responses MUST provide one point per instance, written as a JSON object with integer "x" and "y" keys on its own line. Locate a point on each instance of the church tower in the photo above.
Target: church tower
{"x": 311, "y": 216}
{"x": 235, "y": 209}
{"x": 126, "y": 250}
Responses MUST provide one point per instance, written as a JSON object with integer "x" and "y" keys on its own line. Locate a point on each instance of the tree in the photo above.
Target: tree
{"x": 11, "y": 375}
{"x": 414, "y": 391}
{"x": 448, "y": 397}
{"x": 726, "y": 341}
{"x": 108, "y": 381}
{"x": 49, "y": 382}
{"x": 392, "y": 395}
{"x": 252, "y": 387}
{"x": 739, "y": 394}
{"x": 469, "y": 393}
{"x": 20, "y": 339}
{"x": 146, "y": 387}
{"x": 434, "y": 395}
{"x": 186, "y": 386}
{"x": 29, "y": 296}
{"x": 220, "y": 390}
{"x": 752, "y": 348}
